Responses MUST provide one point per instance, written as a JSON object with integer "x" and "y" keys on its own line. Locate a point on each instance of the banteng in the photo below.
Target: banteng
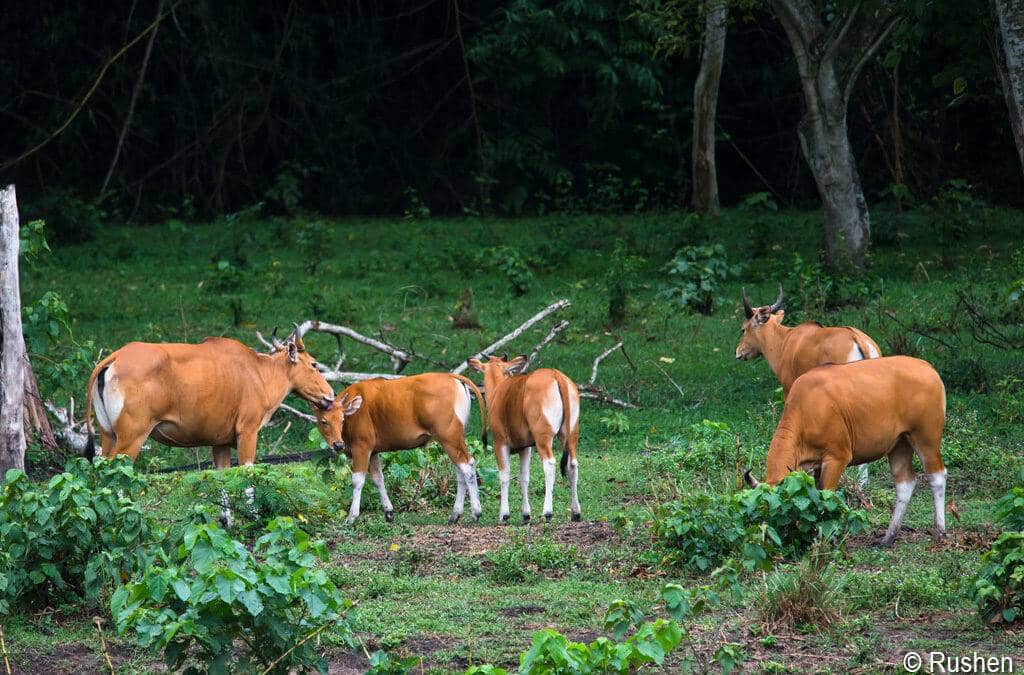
{"x": 791, "y": 352}
{"x": 531, "y": 410}
{"x": 859, "y": 412}
{"x": 382, "y": 415}
{"x": 217, "y": 393}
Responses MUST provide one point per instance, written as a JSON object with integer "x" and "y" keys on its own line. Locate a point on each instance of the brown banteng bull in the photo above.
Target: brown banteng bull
{"x": 218, "y": 393}
{"x": 381, "y": 415}
{"x": 531, "y": 410}
{"x": 859, "y": 412}
{"x": 791, "y": 352}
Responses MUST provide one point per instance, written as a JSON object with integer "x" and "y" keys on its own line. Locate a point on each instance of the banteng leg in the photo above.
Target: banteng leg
{"x": 927, "y": 445}
{"x": 900, "y": 463}
{"x": 246, "y": 445}
{"x": 547, "y": 458}
{"x": 129, "y": 435}
{"x": 360, "y": 464}
{"x": 504, "y": 474}
{"x": 862, "y": 475}
{"x": 573, "y": 472}
{"x": 222, "y": 460}
{"x": 378, "y": 479}
{"x": 459, "y": 454}
{"x": 524, "y": 480}
{"x": 460, "y": 496}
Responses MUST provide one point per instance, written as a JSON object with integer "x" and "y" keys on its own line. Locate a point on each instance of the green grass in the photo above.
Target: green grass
{"x": 476, "y": 593}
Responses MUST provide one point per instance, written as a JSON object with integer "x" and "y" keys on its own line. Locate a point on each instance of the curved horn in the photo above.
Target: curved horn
{"x": 777, "y": 305}
{"x": 275, "y": 341}
{"x": 298, "y": 332}
{"x": 750, "y": 480}
{"x": 747, "y": 309}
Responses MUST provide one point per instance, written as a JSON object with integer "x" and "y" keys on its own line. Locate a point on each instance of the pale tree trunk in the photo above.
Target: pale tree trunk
{"x": 705, "y": 103}
{"x": 1008, "y": 16}
{"x": 829, "y": 59}
{"x": 12, "y": 348}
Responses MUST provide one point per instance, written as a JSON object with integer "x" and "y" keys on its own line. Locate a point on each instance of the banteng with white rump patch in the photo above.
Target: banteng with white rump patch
{"x": 791, "y": 352}
{"x": 218, "y": 393}
{"x": 382, "y": 415}
{"x": 531, "y": 410}
{"x": 859, "y": 412}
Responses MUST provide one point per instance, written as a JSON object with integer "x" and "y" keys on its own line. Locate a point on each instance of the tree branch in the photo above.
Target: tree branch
{"x": 555, "y": 330}
{"x": 547, "y": 311}
{"x": 854, "y": 73}
{"x": 399, "y": 358}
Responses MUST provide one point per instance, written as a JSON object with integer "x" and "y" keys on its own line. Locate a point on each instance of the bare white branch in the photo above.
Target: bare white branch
{"x": 489, "y": 349}
{"x": 72, "y": 435}
{"x": 295, "y": 411}
{"x": 596, "y": 394}
{"x": 601, "y": 357}
{"x": 399, "y": 357}
{"x": 555, "y": 330}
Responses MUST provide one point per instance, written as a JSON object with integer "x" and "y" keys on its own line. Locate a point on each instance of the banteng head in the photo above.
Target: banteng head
{"x": 305, "y": 376}
{"x": 498, "y": 368}
{"x": 751, "y": 344}
{"x": 331, "y": 422}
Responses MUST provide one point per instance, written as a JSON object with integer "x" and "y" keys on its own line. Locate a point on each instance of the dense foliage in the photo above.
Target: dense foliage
{"x": 450, "y": 107}
{"x": 206, "y": 591}
{"x": 701, "y": 531}
{"x": 72, "y": 538}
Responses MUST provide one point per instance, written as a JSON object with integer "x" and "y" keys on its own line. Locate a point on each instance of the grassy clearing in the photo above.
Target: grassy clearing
{"x": 476, "y": 593}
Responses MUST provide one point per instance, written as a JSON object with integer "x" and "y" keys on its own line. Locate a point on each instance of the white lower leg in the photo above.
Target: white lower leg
{"x": 377, "y": 476}
{"x": 574, "y": 472}
{"x": 904, "y": 491}
{"x": 469, "y": 474}
{"x": 358, "y": 478}
{"x": 460, "y": 495}
{"x": 524, "y": 480}
{"x": 549, "y": 485}
{"x": 937, "y": 481}
{"x": 504, "y": 477}
{"x": 862, "y": 475}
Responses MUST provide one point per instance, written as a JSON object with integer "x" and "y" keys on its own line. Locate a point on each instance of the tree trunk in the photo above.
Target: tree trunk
{"x": 12, "y": 351}
{"x": 1008, "y": 16}
{"x": 829, "y": 59}
{"x": 826, "y": 147}
{"x": 36, "y": 421}
{"x": 705, "y": 103}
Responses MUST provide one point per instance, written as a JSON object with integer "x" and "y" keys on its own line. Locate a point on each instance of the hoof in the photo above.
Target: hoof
{"x": 476, "y": 517}
{"x": 884, "y": 542}
{"x": 504, "y": 519}
{"x": 547, "y": 517}
{"x": 454, "y": 518}
{"x": 577, "y": 517}
{"x": 526, "y": 518}
{"x": 389, "y": 516}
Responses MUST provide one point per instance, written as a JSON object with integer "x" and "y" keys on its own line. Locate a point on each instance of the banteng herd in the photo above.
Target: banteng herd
{"x": 845, "y": 405}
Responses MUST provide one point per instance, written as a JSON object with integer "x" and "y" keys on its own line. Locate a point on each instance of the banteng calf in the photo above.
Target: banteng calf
{"x": 381, "y": 415}
{"x": 531, "y": 410}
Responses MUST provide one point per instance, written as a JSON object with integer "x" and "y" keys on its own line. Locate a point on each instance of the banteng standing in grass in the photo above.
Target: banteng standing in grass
{"x": 791, "y": 352}
{"x": 218, "y": 393}
{"x": 859, "y": 412}
{"x": 381, "y": 415}
{"x": 531, "y": 410}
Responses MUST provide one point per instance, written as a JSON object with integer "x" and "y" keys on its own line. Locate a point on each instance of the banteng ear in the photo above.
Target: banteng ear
{"x": 293, "y": 351}
{"x": 354, "y": 406}
{"x": 475, "y": 364}
{"x": 516, "y": 365}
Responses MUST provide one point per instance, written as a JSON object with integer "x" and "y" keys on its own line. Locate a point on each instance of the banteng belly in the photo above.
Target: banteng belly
{"x": 174, "y": 435}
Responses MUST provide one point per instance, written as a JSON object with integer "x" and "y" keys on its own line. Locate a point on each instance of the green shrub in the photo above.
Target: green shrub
{"x": 797, "y": 513}
{"x": 525, "y": 561}
{"x": 702, "y": 530}
{"x": 552, "y": 653}
{"x": 73, "y": 538}
{"x": 511, "y": 263}
{"x": 1010, "y": 507}
{"x": 999, "y": 587}
{"x": 804, "y": 598}
{"x": 209, "y": 603}
{"x": 694, "y": 275}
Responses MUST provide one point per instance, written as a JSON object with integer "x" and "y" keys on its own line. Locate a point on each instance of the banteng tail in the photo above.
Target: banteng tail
{"x": 480, "y": 403}
{"x": 566, "y": 430}
{"x": 95, "y": 381}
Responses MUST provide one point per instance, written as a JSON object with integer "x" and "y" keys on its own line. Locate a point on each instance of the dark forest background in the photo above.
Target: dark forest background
{"x": 455, "y": 106}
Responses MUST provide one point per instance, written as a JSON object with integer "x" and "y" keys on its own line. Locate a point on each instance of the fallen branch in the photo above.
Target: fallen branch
{"x": 552, "y": 334}
{"x": 399, "y": 358}
{"x": 295, "y": 411}
{"x": 348, "y": 376}
{"x": 669, "y": 378}
{"x": 597, "y": 394}
{"x": 72, "y": 435}
{"x": 601, "y": 357}
{"x": 498, "y": 344}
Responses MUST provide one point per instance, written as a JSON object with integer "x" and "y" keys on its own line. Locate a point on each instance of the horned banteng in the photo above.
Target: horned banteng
{"x": 381, "y": 415}
{"x": 218, "y": 393}
{"x": 531, "y": 410}
{"x": 791, "y": 352}
{"x": 859, "y": 412}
